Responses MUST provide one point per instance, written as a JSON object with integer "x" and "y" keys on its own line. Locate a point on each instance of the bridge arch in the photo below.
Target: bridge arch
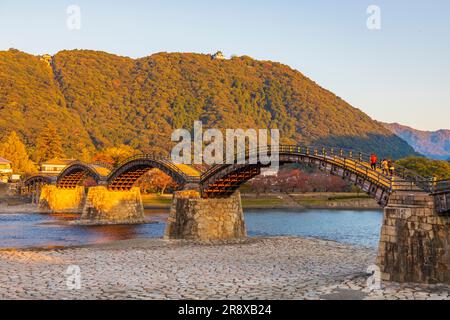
{"x": 37, "y": 180}
{"x": 223, "y": 180}
{"x": 127, "y": 173}
{"x": 77, "y": 172}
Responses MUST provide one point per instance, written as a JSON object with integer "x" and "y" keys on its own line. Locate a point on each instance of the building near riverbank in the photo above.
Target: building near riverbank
{"x": 54, "y": 166}
{"x": 5, "y": 170}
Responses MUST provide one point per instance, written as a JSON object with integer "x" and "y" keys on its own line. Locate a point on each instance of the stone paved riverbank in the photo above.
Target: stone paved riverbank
{"x": 272, "y": 268}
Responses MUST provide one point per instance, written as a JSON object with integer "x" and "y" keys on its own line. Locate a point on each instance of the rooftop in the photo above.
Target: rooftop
{"x": 218, "y": 56}
{"x": 3, "y": 160}
{"x": 63, "y": 162}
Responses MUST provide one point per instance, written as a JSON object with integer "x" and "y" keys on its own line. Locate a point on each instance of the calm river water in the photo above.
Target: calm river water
{"x": 39, "y": 230}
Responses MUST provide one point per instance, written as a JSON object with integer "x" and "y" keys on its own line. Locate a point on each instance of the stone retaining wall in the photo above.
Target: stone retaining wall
{"x": 194, "y": 218}
{"x": 415, "y": 241}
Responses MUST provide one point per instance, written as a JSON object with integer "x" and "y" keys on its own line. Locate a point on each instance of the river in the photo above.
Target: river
{"x": 52, "y": 230}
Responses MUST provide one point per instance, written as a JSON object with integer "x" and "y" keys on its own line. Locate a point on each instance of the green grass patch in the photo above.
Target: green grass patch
{"x": 154, "y": 200}
{"x": 261, "y": 202}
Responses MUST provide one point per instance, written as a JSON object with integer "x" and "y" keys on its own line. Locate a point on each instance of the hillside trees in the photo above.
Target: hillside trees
{"x": 427, "y": 167}
{"x": 13, "y": 149}
{"x": 49, "y": 144}
{"x": 115, "y": 155}
{"x": 100, "y": 100}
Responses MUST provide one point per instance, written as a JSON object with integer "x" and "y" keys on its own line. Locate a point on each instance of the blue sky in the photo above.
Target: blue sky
{"x": 400, "y": 73}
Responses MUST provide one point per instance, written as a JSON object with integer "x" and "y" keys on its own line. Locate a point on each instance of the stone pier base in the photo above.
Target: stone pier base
{"x": 194, "y": 218}
{"x": 61, "y": 200}
{"x": 415, "y": 241}
{"x": 104, "y": 207}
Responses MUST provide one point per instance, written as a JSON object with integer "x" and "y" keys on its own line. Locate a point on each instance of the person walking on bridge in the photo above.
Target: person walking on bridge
{"x": 391, "y": 167}
{"x": 385, "y": 167}
{"x": 373, "y": 161}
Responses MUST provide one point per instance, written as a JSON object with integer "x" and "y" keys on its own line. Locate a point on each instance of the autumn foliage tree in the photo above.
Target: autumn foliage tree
{"x": 15, "y": 151}
{"x": 297, "y": 180}
{"x": 156, "y": 181}
{"x": 49, "y": 144}
{"x": 115, "y": 155}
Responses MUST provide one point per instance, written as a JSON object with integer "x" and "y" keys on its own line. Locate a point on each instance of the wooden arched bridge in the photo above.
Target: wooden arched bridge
{"x": 415, "y": 236}
{"x": 222, "y": 180}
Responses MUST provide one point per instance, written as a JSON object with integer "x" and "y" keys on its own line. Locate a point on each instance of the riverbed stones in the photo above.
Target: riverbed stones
{"x": 194, "y": 218}
{"x": 263, "y": 268}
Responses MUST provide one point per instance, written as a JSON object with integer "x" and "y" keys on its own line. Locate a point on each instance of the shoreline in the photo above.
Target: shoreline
{"x": 25, "y": 209}
{"x": 146, "y": 241}
{"x": 31, "y": 208}
{"x": 270, "y": 201}
{"x": 285, "y": 207}
{"x": 21, "y": 209}
{"x": 282, "y": 201}
{"x": 303, "y": 209}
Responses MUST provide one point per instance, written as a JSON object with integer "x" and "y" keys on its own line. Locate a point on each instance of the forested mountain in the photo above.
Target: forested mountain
{"x": 30, "y": 97}
{"x": 98, "y": 100}
{"x": 433, "y": 144}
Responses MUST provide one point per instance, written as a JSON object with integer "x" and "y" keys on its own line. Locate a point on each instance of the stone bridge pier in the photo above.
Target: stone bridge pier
{"x": 104, "y": 206}
{"x": 98, "y": 206}
{"x": 195, "y": 218}
{"x": 415, "y": 240}
{"x": 62, "y": 200}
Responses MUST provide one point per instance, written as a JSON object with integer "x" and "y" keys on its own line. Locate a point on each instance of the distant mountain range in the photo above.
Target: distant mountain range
{"x": 433, "y": 144}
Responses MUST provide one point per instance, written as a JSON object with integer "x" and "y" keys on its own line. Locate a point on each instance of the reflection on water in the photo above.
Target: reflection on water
{"x": 38, "y": 230}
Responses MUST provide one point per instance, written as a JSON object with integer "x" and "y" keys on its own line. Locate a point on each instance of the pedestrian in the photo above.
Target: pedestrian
{"x": 373, "y": 161}
{"x": 391, "y": 167}
{"x": 385, "y": 167}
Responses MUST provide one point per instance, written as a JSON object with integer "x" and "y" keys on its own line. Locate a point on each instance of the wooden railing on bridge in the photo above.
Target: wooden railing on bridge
{"x": 358, "y": 162}
{"x": 442, "y": 186}
{"x": 103, "y": 164}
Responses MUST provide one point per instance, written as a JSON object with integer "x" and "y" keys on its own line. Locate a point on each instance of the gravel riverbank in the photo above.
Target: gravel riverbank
{"x": 258, "y": 268}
